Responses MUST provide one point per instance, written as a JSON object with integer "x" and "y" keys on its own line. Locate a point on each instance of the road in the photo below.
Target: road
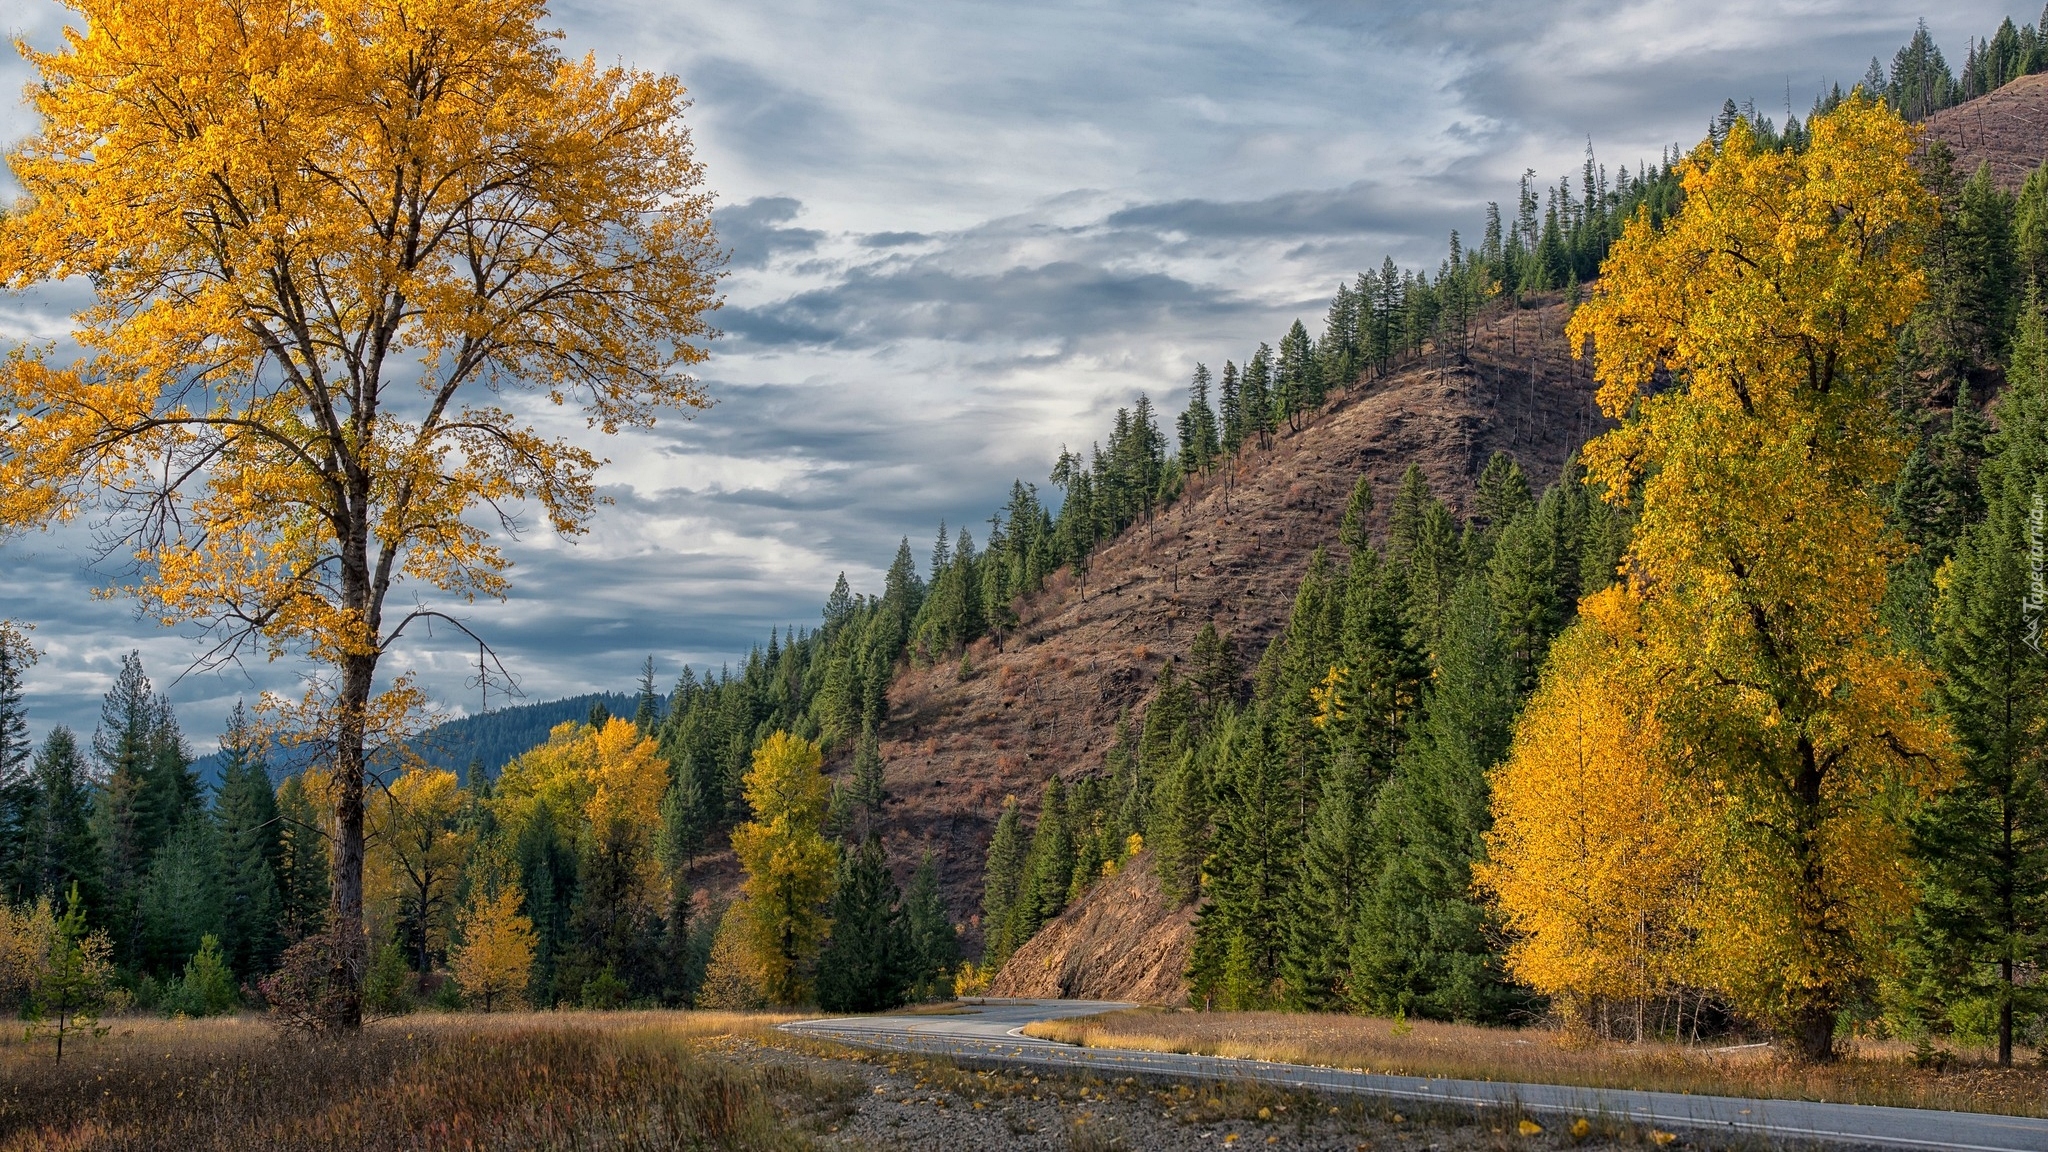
{"x": 988, "y": 1033}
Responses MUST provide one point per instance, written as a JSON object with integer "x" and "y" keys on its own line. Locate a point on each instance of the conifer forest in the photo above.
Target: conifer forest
{"x": 1738, "y": 727}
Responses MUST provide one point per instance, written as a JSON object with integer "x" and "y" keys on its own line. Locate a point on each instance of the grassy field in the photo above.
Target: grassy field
{"x": 512, "y": 1081}
{"x": 1871, "y": 1072}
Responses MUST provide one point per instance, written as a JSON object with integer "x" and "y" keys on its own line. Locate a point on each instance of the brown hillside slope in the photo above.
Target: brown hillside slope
{"x": 1231, "y": 550}
{"x": 2007, "y": 129}
{"x": 1123, "y": 940}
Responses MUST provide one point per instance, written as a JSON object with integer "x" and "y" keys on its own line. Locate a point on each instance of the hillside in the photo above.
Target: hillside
{"x": 1231, "y": 550}
{"x": 2007, "y": 129}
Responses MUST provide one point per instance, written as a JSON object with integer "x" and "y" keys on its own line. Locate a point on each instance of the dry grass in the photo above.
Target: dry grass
{"x": 1871, "y": 1072}
{"x": 515, "y": 1081}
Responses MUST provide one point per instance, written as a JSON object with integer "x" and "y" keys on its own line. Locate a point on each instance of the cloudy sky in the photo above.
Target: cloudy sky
{"x": 962, "y": 234}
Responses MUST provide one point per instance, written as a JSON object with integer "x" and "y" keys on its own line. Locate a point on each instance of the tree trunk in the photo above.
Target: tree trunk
{"x": 345, "y": 911}
{"x": 1813, "y": 1033}
{"x": 2005, "y": 1013}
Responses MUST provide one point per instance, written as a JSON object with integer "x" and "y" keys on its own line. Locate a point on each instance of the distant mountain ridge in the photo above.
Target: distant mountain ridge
{"x": 491, "y": 738}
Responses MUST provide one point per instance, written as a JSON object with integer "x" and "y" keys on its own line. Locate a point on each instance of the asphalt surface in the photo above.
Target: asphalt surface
{"x": 989, "y": 1034}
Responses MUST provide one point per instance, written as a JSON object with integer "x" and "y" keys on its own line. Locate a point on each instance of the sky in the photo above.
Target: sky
{"x": 962, "y": 234}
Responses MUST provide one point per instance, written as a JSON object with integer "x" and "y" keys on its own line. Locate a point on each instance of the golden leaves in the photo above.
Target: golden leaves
{"x": 1758, "y": 563}
{"x": 313, "y": 230}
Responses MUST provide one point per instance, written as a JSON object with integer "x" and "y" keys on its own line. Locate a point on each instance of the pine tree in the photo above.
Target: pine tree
{"x": 1983, "y": 916}
{"x": 932, "y": 946}
{"x": 1355, "y": 531}
{"x": 180, "y": 898}
{"x": 17, "y": 783}
{"x": 61, "y": 853}
{"x": 1212, "y": 669}
{"x": 246, "y": 814}
{"x": 865, "y": 964}
{"x": 1002, "y": 879}
{"x": 1421, "y": 945}
{"x": 302, "y": 876}
{"x": 1322, "y": 908}
{"x": 1179, "y": 832}
{"x": 1240, "y": 933}
{"x": 865, "y": 788}
{"x": 647, "y": 711}
{"x": 1404, "y": 523}
{"x": 1048, "y": 867}
{"x": 1230, "y": 402}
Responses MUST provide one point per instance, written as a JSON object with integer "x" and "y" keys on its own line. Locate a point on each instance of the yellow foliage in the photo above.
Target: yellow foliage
{"x": 1759, "y": 561}
{"x": 1594, "y": 853}
{"x": 1328, "y": 698}
{"x": 319, "y": 237}
{"x": 416, "y": 854}
{"x": 589, "y": 777}
{"x": 496, "y": 957}
{"x": 790, "y": 866}
{"x": 25, "y": 933}
{"x": 730, "y": 979}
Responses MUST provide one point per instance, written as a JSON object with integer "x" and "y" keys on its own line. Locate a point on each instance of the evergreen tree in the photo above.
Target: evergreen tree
{"x": 1404, "y": 522}
{"x": 250, "y": 853}
{"x": 1255, "y": 397}
{"x": 302, "y": 875}
{"x": 17, "y": 783}
{"x": 647, "y": 710}
{"x": 932, "y": 946}
{"x": 1230, "y": 405}
{"x": 1048, "y": 867}
{"x": 1213, "y": 673}
{"x": 1179, "y": 832}
{"x": 1983, "y": 917}
{"x": 1240, "y": 932}
{"x": 1322, "y": 909}
{"x": 867, "y": 963}
{"x": 1002, "y": 880}
{"x": 181, "y": 899}
{"x": 1354, "y": 532}
{"x": 60, "y": 852}
{"x": 1421, "y": 946}
{"x": 865, "y": 788}
{"x": 1199, "y": 441}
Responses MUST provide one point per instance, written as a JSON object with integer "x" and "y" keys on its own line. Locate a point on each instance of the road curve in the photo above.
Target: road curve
{"x": 989, "y": 1033}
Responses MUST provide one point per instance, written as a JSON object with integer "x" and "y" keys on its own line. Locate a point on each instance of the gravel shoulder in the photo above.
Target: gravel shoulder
{"x": 868, "y": 1100}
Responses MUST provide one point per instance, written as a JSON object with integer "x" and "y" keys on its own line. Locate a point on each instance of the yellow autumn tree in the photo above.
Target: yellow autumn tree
{"x": 593, "y": 780}
{"x": 495, "y": 959}
{"x": 415, "y": 858}
{"x": 322, "y": 238}
{"x": 789, "y": 865}
{"x": 1594, "y": 855}
{"x": 1772, "y": 300}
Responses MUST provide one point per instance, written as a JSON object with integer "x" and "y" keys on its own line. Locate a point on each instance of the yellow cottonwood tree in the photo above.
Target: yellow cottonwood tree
{"x": 415, "y": 855}
{"x": 495, "y": 959}
{"x": 790, "y": 866}
{"x": 1772, "y": 300}
{"x": 1595, "y": 851}
{"x": 591, "y": 778}
{"x": 323, "y": 237}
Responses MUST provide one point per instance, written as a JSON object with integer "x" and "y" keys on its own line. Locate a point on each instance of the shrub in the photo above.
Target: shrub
{"x": 207, "y": 987}
{"x": 312, "y": 986}
{"x": 388, "y": 987}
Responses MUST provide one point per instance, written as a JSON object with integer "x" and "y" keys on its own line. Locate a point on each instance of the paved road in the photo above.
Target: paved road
{"x": 989, "y": 1034}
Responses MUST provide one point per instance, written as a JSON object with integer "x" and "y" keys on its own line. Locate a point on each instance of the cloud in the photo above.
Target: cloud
{"x": 753, "y": 232}
{"x": 963, "y": 234}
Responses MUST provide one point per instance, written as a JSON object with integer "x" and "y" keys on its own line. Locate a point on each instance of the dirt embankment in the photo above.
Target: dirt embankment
{"x": 1123, "y": 940}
